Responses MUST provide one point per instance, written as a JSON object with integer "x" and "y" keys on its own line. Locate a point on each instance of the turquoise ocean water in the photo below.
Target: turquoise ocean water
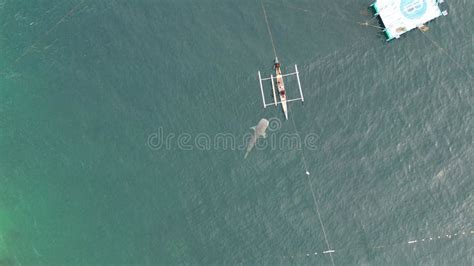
{"x": 85, "y": 85}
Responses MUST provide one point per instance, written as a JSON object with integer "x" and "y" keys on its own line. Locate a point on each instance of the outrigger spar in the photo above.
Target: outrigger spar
{"x": 281, "y": 87}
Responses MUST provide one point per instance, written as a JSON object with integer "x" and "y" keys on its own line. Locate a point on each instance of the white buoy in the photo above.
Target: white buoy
{"x": 307, "y": 173}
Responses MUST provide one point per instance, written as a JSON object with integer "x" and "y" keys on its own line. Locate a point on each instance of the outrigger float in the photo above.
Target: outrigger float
{"x": 401, "y": 16}
{"x": 280, "y": 87}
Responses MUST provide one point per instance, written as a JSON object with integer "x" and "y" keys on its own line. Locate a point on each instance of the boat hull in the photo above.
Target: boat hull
{"x": 281, "y": 90}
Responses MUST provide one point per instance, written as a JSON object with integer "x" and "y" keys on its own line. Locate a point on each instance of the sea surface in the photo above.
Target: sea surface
{"x": 91, "y": 90}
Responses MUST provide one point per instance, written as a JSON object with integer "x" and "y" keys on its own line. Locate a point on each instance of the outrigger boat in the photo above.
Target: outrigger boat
{"x": 281, "y": 87}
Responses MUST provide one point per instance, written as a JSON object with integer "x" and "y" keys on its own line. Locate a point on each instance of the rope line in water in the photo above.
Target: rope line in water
{"x": 411, "y": 242}
{"x": 69, "y": 13}
{"x": 302, "y": 153}
{"x": 318, "y": 14}
{"x": 268, "y": 28}
{"x": 329, "y": 251}
{"x": 447, "y": 54}
{"x": 366, "y": 23}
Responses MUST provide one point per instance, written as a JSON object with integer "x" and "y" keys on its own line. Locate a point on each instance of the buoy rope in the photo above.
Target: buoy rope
{"x": 68, "y": 14}
{"x": 268, "y": 28}
{"x": 447, "y": 54}
{"x": 313, "y": 193}
{"x": 318, "y": 14}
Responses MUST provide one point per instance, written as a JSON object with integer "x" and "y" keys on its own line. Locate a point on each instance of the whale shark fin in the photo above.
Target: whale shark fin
{"x": 254, "y": 127}
{"x": 264, "y": 135}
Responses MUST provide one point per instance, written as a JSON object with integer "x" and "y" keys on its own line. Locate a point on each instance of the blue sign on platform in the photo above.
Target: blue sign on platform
{"x": 413, "y": 9}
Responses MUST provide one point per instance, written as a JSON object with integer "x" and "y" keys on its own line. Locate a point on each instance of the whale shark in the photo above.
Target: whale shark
{"x": 259, "y": 131}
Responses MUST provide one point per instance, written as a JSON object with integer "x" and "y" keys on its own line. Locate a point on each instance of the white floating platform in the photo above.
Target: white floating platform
{"x": 401, "y": 16}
